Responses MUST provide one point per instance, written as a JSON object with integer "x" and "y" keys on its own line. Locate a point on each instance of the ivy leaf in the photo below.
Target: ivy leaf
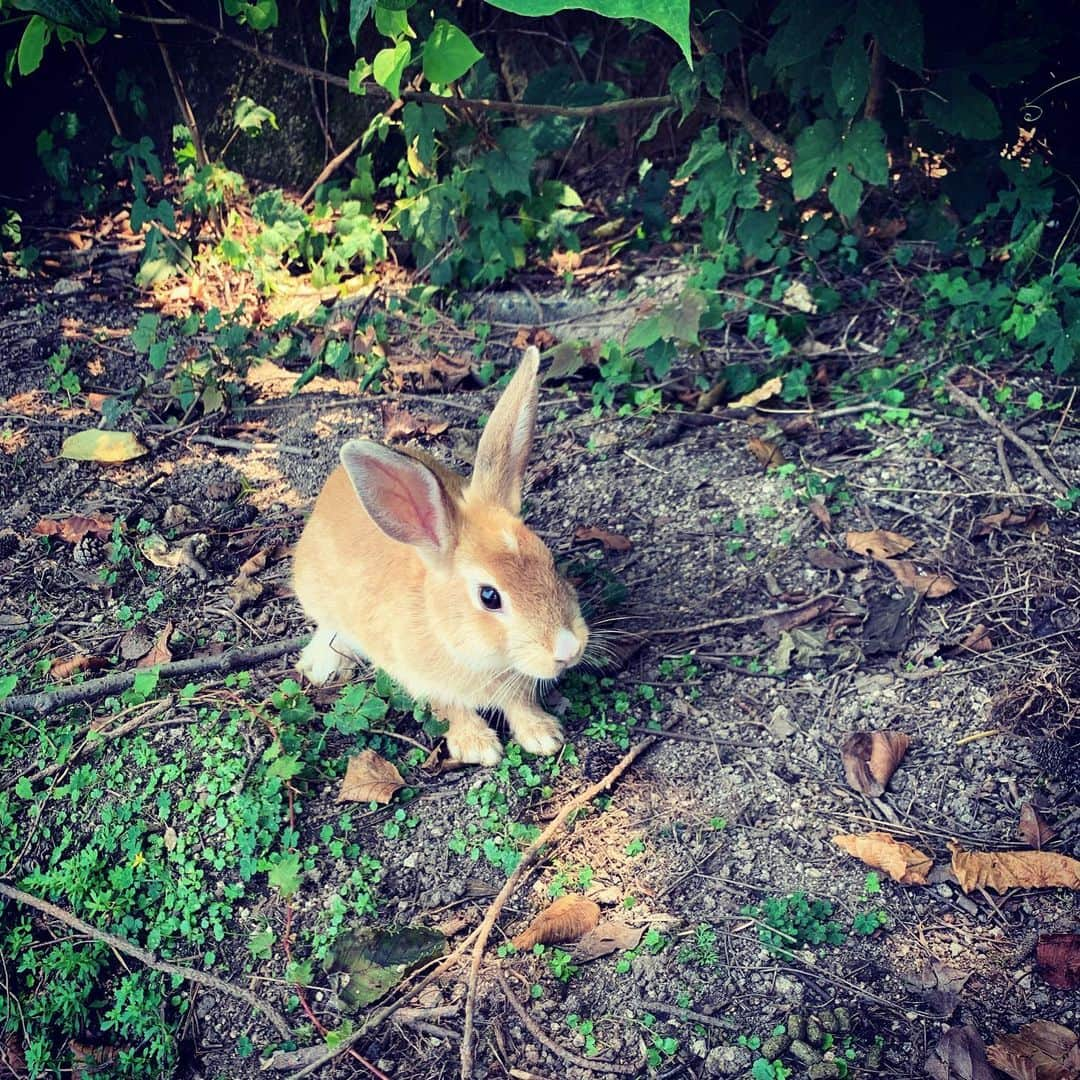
{"x": 850, "y": 73}
{"x": 864, "y": 151}
{"x": 897, "y": 26}
{"x": 448, "y": 53}
{"x": 756, "y": 231}
{"x": 510, "y": 166}
{"x": 250, "y": 117}
{"x": 956, "y": 106}
{"x": 816, "y": 150}
{"x": 389, "y": 65}
{"x": 671, "y": 16}
{"x": 359, "y": 10}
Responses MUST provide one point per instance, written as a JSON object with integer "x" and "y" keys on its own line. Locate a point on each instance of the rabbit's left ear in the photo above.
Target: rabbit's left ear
{"x": 507, "y": 440}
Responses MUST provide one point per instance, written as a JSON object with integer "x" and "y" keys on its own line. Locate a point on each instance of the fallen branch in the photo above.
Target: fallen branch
{"x": 738, "y": 620}
{"x": 45, "y": 701}
{"x": 147, "y": 958}
{"x": 968, "y": 402}
{"x": 528, "y": 858}
{"x": 608, "y": 1068}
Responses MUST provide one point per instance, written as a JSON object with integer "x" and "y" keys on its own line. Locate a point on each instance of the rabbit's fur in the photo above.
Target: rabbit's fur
{"x": 396, "y": 557}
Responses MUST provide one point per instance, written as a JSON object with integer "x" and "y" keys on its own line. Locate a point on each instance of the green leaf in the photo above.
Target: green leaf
{"x": 816, "y": 150}
{"x": 756, "y": 231}
{"x": 845, "y": 193}
{"x": 850, "y": 73}
{"x": 359, "y": 10}
{"x": 956, "y": 106}
{"x": 448, "y": 53}
{"x": 393, "y": 21}
{"x": 248, "y": 116}
{"x": 82, "y": 16}
{"x": 864, "y": 151}
{"x": 897, "y": 26}
{"x": 285, "y": 875}
{"x": 32, "y": 45}
{"x": 7, "y": 684}
{"x": 389, "y": 65}
{"x": 671, "y": 16}
{"x": 23, "y": 788}
{"x": 377, "y": 960}
{"x": 509, "y": 167}
{"x": 104, "y": 446}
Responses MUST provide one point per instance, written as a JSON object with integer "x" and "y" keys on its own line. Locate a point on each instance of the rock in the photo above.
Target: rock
{"x": 727, "y": 1061}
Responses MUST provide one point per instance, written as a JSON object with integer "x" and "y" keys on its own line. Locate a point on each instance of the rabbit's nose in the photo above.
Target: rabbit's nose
{"x": 566, "y": 646}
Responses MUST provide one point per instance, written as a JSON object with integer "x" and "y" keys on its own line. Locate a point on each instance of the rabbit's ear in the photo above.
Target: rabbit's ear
{"x": 507, "y": 439}
{"x": 402, "y": 495}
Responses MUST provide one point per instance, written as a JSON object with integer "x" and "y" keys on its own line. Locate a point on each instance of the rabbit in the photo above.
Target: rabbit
{"x": 438, "y": 582}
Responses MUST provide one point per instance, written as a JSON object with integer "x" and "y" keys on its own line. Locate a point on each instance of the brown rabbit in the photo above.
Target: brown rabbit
{"x": 439, "y": 582}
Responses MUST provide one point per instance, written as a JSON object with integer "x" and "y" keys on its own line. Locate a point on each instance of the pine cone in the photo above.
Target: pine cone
{"x": 88, "y": 552}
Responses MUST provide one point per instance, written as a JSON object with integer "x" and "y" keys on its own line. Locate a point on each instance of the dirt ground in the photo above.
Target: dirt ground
{"x": 795, "y": 642}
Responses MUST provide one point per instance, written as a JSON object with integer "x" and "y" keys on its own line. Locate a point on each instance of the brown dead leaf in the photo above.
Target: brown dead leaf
{"x": 940, "y": 984}
{"x": 1058, "y": 959}
{"x": 96, "y": 401}
{"x": 1004, "y": 870}
{"x": 817, "y": 507}
{"x": 369, "y": 778}
{"x": 878, "y": 543}
{"x": 254, "y": 564}
{"x": 73, "y": 529}
{"x": 871, "y": 757}
{"x": 766, "y": 390}
{"x": 960, "y": 1055}
{"x": 1040, "y": 1050}
{"x": 768, "y": 453}
{"x": 1008, "y": 518}
{"x": 910, "y": 576}
{"x": 538, "y": 336}
{"x": 160, "y": 653}
{"x": 59, "y": 670}
{"x": 566, "y": 919}
{"x": 243, "y": 592}
{"x": 1033, "y": 827}
{"x": 399, "y": 423}
{"x": 900, "y": 861}
{"x": 775, "y": 625}
{"x": 977, "y": 639}
{"x": 610, "y": 936}
{"x": 611, "y": 541}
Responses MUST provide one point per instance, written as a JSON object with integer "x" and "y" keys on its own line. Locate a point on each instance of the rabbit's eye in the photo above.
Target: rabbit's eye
{"x": 490, "y": 598}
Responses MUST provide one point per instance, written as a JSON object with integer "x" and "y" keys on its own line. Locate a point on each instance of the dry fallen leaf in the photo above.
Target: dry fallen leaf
{"x": 900, "y": 861}
{"x": 160, "y": 653}
{"x": 1040, "y": 1050}
{"x": 244, "y": 592}
{"x": 1006, "y": 519}
{"x": 65, "y": 669}
{"x": 775, "y": 625}
{"x": 940, "y": 985}
{"x": 977, "y": 639}
{"x": 911, "y": 577}
{"x": 871, "y": 757}
{"x": 765, "y": 391}
{"x": 254, "y": 564}
{"x": 607, "y": 938}
{"x": 827, "y": 559}
{"x": 567, "y": 919}
{"x": 1058, "y": 959}
{"x": 1004, "y": 870}
{"x": 960, "y": 1055}
{"x": 797, "y": 296}
{"x": 73, "y": 529}
{"x": 878, "y": 543}
{"x": 768, "y": 453}
{"x": 817, "y": 507}
{"x": 1033, "y": 827}
{"x": 369, "y": 778}
{"x": 106, "y": 447}
{"x": 611, "y": 541}
{"x": 399, "y": 423}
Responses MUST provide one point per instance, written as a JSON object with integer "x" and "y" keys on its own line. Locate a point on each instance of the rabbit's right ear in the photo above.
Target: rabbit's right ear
{"x": 402, "y": 496}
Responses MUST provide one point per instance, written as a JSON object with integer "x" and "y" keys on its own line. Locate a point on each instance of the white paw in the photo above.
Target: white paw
{"x": 539, "y": 733}
{"x": 319, "y": 661}
{"x": 474, "y": 744}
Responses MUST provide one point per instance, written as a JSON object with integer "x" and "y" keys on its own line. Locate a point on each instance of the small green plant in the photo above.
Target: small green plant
{"x": 702, "y": 950}
{"x": 64, "y": 379}
{"x": 584, "y": 1028}
{"x": 792, "y": 921}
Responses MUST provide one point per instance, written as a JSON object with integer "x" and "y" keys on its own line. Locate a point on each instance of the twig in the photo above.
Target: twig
{"x": 46, "y": 701}
{"x": 99, "y": 88}
{"x": 534, "y": 1029}
{"x": 1003, "y": 463}
{"x": 737, "y": 620}
{"x": 529, "y": 856}
{"x": 240, "y": 444}
{"x": 329, "y": 169}
{"x": 148, "y": 958}
{"x": 688, "y": 1014}
{"x": 739, "y": 112}
{"x": 1029, "y": 451}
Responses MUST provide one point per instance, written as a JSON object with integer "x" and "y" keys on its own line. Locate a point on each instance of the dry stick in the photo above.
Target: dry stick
{"x": 46, "y": 700}
{"x": 530, "y": 856}
{"x": 738, "y": 620}
{"x": 534, "y": 1029}
{"x": 1029, "y": 451}
{"x": 100, "y": 89}
{"x": 329, "y": 169}
{"x": 147, "y": 958}
{"x": 244, "y": 447}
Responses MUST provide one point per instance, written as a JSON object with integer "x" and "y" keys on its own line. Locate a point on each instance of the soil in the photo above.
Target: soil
{"x": 740, "y": 797}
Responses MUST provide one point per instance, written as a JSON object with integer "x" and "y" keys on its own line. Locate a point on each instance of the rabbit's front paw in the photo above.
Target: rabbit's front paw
{"x": 319, "y": 661}
{"x": 536, "y": 731}
{"x": 470, "y": 741}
